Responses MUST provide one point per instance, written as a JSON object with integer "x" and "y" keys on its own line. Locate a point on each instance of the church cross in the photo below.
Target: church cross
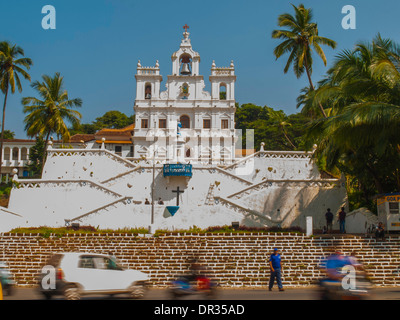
{"x": 178, "y": 192}
{"x": 185, "y": 27}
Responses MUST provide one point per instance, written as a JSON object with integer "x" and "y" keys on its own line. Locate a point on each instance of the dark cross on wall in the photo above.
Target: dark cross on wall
{"x": 178, "y": 192}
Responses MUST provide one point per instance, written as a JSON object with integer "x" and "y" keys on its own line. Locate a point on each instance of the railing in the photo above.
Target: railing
{"x": 121, "y": 175}
{"x": 97, "y": 210}
{"x": 93, "y": 152}
{"x": 246, "y": 211}
{"x": 324, "y": 183}
{"x": 36, "y": 183}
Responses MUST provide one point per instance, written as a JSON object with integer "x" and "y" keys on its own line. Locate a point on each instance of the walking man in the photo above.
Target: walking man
{"x": 329, "y": 219}
{"x": 342, "y": 220}
{"x": 276, "y": 268}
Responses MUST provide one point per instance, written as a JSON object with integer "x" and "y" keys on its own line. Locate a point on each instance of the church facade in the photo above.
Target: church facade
{"x": 185, "y": 123}
{"x": 182, "y": 170}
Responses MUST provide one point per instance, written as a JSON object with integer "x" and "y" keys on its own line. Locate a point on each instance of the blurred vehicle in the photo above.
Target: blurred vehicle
{"x": 332, "y": 288}
{"x": 6, "y": 279}
{"x": 186, "y": 285}
{"x": 79, "y": 274}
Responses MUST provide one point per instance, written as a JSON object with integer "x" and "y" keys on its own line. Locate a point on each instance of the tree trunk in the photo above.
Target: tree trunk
{"x": 2, "y": 130}
{"x": 288, "y": 139}
{"x": 44, "y": 152}
{"x": 312, "y": 86}
{"x": 375, "y": 177}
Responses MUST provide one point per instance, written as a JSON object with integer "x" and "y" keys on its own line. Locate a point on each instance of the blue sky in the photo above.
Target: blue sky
{"x": 96, "y": 45}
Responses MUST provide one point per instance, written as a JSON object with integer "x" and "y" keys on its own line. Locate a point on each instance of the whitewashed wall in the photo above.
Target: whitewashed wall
{"x": 78, "y": 183}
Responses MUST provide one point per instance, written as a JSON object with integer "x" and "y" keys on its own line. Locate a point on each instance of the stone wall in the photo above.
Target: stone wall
{"x": 234, "y": 260}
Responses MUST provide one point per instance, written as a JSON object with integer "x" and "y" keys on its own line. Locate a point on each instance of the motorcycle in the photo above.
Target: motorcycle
{"x": 334, "y": 289}
{"x": 193, "y": 285}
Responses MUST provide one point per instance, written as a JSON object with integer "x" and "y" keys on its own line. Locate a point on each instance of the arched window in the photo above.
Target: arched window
{"x": 24, "y": 154}
{"x": 15, "y": 153}
{"x": 188, "y": 153}
{"x": 7, "y": 153}
{"x": 222, "y": 91}
{"x": 185, "y": 65}
{"x": 147, "y": 91}
{"x": 185, "y": 122}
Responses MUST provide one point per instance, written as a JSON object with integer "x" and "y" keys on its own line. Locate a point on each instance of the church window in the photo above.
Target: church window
{"x": 222, "y": 91}
{"x": 224, "y": 124}
{"x": 185, "y": 121}
{"x": 206, "y": 123}
{"x": 162, "y": 123}
{"x": 147, "y": 91}
{"x": 145, "y": 123}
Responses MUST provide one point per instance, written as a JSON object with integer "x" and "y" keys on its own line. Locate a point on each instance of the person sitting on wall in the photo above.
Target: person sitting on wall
{"x": 380, "y": 231}
{"x": 160, "y": 201}
{"x": 147, "y": 201}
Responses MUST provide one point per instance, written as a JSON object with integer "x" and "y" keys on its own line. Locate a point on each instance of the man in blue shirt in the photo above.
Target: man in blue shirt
{"x": 276, "y": 267}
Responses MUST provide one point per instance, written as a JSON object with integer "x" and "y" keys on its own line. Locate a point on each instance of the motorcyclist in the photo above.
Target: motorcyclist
{"x": 334, "y": 264}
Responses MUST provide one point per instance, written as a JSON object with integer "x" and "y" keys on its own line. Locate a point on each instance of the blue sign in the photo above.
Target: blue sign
{"x": 172, "y": 210}
{"x": 177, "y": 170}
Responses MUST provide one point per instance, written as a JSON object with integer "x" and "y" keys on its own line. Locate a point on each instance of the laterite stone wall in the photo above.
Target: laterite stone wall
{"x": 233, "y": 260}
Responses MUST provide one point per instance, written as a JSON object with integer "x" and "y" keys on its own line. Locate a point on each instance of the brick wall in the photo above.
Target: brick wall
{"x": 234, "y": 260}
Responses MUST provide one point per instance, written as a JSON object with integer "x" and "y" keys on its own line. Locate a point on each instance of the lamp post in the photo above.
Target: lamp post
{"x": 152, "y": 188}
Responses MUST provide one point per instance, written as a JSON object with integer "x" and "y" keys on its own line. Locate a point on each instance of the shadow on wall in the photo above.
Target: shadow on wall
{"x": 295, "y": 204}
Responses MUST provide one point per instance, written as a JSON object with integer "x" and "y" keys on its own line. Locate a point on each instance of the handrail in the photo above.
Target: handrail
{"x": 10, "y": 212}
{"x": 250, "y": 211}
{"x": 283, "y": 180}
{"x": 98, "y": 209}
{"x": 112, "y": 154}
{"x": 121, "y": 174}
{"x": 40, "y": 181}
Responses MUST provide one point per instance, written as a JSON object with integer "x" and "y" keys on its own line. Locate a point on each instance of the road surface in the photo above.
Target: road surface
{"x": 22, "y": 293}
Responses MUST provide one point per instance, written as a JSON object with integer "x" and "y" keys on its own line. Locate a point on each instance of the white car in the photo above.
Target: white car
{"x": 78, "y": 274}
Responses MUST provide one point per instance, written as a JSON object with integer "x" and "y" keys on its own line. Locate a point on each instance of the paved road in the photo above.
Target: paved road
{"x": 226, "y": 294}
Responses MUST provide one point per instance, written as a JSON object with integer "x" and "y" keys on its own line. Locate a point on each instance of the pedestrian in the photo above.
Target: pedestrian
{"x": 342, "y": 220}
{"x": 380, "y": 231}
{"x": 329, "y": 219}
{"x": 276, "y": 269}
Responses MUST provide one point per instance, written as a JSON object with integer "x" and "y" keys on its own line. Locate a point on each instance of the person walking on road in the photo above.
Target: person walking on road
{"x": 342, "y": 220}
{"x": 276, "y": 269}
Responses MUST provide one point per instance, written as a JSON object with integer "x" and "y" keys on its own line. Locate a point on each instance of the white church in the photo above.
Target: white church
{"x": 183, "y": 167}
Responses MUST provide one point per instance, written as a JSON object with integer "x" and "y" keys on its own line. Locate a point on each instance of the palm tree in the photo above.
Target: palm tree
{"x": 280, "y": 119}
{"x": 47, "y": 114}
{"x": 12, "y": 62}
{"x": 362, "y": 89}
{"x": 299, "y": 40}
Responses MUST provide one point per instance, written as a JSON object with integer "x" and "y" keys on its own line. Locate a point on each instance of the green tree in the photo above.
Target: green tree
{"x": 8, "y": 134}
{"x": 267, "y": 129}
{"x": 12, "y": 65}
{"x": 360, "y": 138}
{"x": 36, "y": 157}
{"x": 111, "y": 119}
{"x": 280, "y": 119}
{"x": 299, "y": 40}
{"x": 49, "y": 113}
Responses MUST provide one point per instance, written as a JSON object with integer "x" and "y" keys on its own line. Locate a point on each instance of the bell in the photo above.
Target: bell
{"x": 185, "y": 69}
